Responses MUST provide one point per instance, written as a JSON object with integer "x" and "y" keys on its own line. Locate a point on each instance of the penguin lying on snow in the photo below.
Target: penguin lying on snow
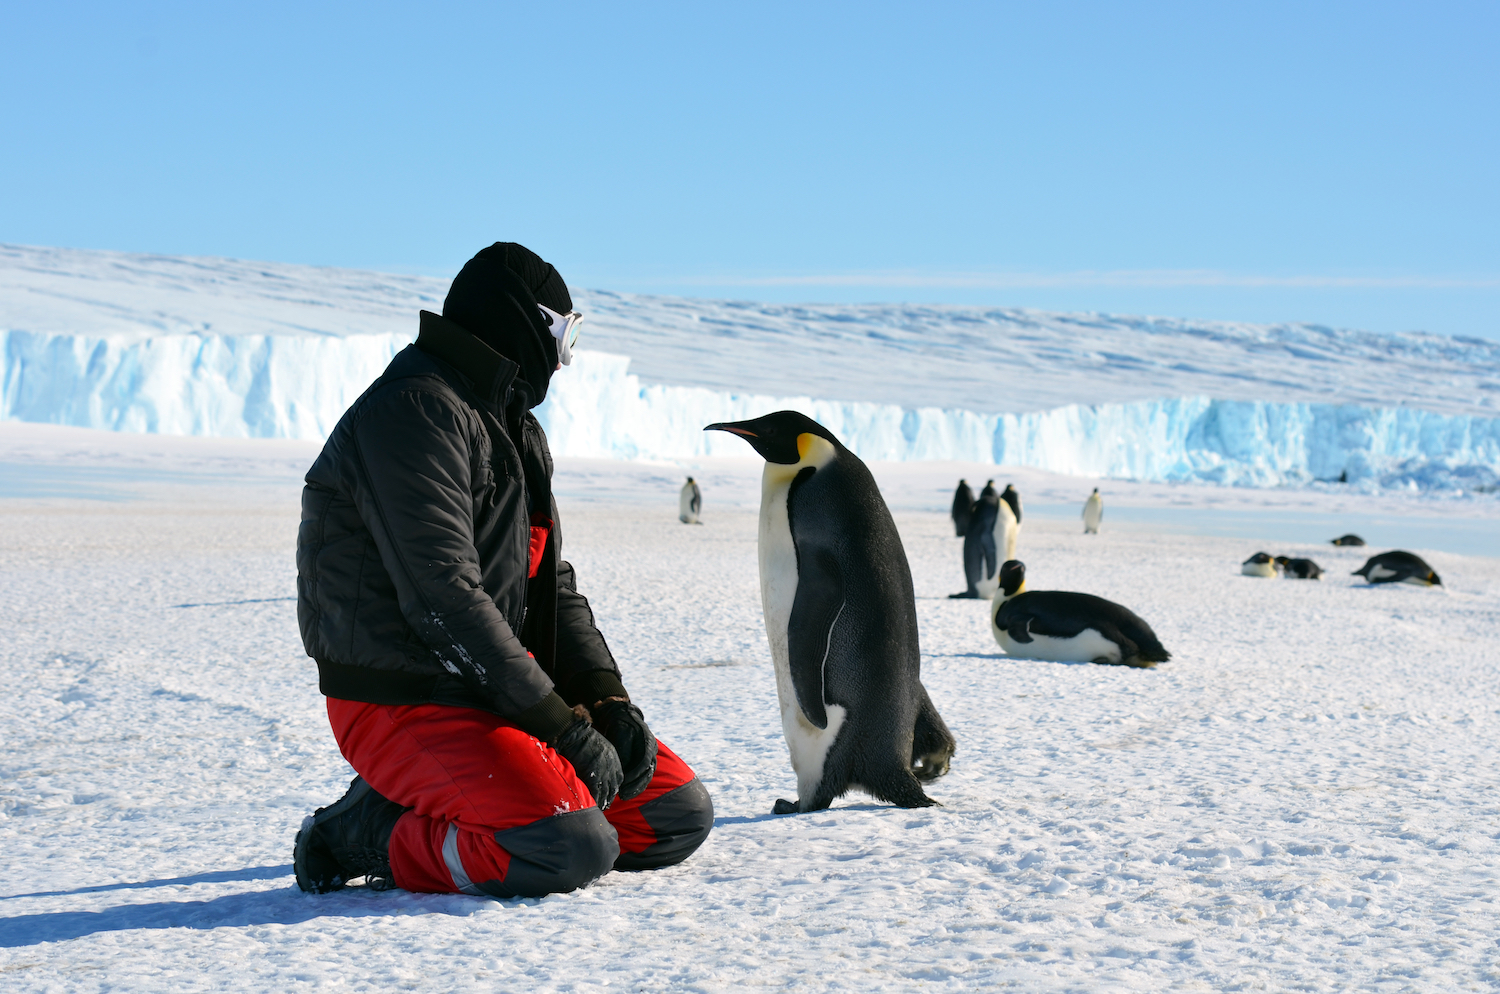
{"x": 1299, "y": 569}
{"x": 841, "y": 618}
{"x": 1067, "y": 627}
{"x": 1093, "y": 513}
{"x": 1348, "y": 540}
{"x": 1260, "y": 564}
{"x": 1398, "y": 567}
{"x": 689, "y": 503}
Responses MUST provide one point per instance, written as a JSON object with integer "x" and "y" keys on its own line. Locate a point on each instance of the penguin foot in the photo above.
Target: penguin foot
{"x": 784, "y": 807}
{"x": 967, "y": 595}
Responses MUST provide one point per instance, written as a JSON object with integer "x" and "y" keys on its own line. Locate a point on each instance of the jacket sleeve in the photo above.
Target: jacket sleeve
{"x": 410, "y": 473}
{"x": 585, "y": 667}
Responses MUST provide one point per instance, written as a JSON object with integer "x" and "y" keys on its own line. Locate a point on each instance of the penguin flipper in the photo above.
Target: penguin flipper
{"x": 1019, "y": 628}
{"x": 815, "y": 610}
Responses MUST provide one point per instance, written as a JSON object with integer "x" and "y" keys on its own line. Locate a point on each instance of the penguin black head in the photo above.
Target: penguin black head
{"x": 776, "y": 436}
{"x": 690, "y": 479}
{"x": 1259, "y": 559}
{"x": 1012, "y": 577}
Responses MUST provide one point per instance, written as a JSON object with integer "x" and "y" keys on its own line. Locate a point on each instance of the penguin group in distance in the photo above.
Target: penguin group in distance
{"x": 689, "y": 503}
{"x": 1064, "y": 626}
{"x": 993, "y": 528}
{"x": 841, "y": 619}
{"x": 1398, "y": 567}
{"x": 1265, "y": 565}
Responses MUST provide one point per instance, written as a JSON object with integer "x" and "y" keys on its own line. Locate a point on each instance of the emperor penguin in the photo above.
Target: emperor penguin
{"x": 963, "y": 508}
{"x": 980, "y": 562}
{"x": 1260, "y": 564}
{"x": 689, "y": 503}
{"x": 1398, "y": 567}
{"x": 1007, "y": 530}
{"x": 1093, "y": 513}
{"x": 1299, "y": 569}
{"x": 1350, "y": 539}
{"x": 1008, "y": 525}
{"x": 1063, "y": 626}
{"x": 841, "y": 619}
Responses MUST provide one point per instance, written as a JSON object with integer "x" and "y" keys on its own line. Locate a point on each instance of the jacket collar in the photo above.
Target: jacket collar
{"x": 489, "y": 371}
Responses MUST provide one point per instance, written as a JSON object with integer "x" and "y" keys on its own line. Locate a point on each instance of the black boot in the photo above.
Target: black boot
{"x": 349, "y": 838}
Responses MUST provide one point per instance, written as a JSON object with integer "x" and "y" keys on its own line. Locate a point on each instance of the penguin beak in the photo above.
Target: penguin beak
{"x": 723, "y": 426}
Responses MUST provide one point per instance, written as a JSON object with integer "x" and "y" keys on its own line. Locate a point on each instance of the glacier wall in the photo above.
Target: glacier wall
{"x": 297, "y": 386}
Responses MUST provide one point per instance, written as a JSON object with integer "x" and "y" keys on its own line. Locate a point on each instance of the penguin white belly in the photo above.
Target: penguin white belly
{"x": 1258, "y": 569}
{"x": 1093, "y": 514}
{"x": 685, "y": 512}
{"x": 807, "y": 743}
{"x": 1085, "y": 647}
{"x": 1007, "y": 530}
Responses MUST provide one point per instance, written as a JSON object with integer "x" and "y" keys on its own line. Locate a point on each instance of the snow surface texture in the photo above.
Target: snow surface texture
{"x": 219, "y": 347}
{"x": 1303, "y": 799}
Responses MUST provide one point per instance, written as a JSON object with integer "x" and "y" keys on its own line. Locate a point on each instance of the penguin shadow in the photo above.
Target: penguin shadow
{"x": 1005, "y": 656}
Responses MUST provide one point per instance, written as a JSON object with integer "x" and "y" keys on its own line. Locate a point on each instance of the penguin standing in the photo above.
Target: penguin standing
{"x": 1069, "y": 627}
{"x": 689, "y": 503}
{"x": 1398, "y": 567}
{"x": 841, "y": 618}
{"x": 1260, "y": 564}
{"x": 979, "y": 546}
{"x": 1093, "y": 513}
{"x": 1008, "y": 525}
{"x": 963, "y": 508}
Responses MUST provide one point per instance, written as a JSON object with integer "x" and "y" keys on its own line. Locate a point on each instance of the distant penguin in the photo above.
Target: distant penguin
{"x": 1093, "y": 513}
{"x": 841, "y": 619}
{"x": 1069, "y": 627}
{"x": 1299, "y": 569}
{"x": 689, "y": 503}
{"x": 980, "y": 561}
{"x": 963, "y": 508}
{"x": 1260, "y": 564}
{"x": 1348, "y": 540}
{"x": 1398, "y": 567}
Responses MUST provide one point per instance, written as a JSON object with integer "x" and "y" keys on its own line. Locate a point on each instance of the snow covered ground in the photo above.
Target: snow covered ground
{"x": 223, "y": 347}
{"x": 1305, "y": 798}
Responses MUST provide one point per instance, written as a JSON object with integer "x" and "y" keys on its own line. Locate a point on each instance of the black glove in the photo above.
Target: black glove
{"x": 593, "y": 758}
{"x": 623, "y": 724}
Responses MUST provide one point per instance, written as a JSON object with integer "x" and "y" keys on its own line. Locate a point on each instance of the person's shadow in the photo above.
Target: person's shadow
{"x": 283, "y": 906}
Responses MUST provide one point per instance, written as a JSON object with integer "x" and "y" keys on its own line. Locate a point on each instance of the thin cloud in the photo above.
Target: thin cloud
{"x": 1116, "y": 278}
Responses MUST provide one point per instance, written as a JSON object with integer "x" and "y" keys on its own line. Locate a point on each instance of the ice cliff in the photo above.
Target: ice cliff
{"x": 217, "y": 347}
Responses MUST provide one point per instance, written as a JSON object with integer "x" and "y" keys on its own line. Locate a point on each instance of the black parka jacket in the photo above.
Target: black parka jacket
{"x": 413, "y": 552}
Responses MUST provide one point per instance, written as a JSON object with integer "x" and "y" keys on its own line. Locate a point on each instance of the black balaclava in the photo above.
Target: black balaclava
{"x": 494, "y": 298}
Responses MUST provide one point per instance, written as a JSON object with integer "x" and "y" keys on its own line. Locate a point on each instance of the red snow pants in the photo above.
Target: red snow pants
{"x": 495, "y": 811}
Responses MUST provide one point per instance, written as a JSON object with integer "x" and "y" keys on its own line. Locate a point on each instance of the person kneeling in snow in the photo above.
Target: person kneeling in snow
{"x": 497, "y": 749}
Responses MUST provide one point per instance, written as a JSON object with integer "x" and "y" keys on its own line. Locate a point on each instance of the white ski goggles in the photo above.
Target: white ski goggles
{"x": 564, "y": 328}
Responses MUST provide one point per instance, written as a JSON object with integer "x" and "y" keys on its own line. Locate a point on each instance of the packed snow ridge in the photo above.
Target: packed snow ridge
{"x": 208, "y": 346}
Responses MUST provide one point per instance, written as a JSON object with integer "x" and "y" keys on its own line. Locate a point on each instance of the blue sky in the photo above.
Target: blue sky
{"x": 1333, "y": 163}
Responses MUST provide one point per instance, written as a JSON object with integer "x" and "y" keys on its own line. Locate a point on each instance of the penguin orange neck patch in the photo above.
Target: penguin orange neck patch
{"x": 804, "y": 442}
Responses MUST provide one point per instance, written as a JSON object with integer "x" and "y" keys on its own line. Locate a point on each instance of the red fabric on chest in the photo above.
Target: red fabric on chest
{"x": 541, "y": 527}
